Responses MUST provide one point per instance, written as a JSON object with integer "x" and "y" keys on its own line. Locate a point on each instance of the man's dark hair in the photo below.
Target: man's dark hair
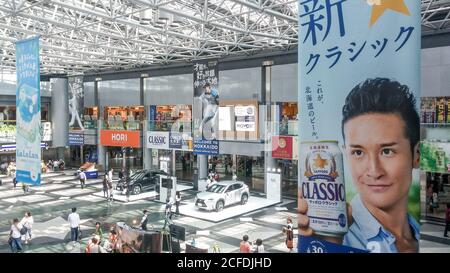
{"x": 383, "y": 96}
{"x": 74, "y": 209}
{"x": 245, "y": 238}
{"x": 144, "y": 211}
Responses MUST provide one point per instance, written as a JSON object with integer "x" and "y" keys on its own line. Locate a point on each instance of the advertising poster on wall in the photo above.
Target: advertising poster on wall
{"x": 76, "y": 103}
{"x": 245, "y": 118}
{"x": 206, "y": 107}
{"x": 441, "y": 116}
{"x": 435, "y": 156}
{"x": 359, "y": 84}
{"x": 28, "y": 105}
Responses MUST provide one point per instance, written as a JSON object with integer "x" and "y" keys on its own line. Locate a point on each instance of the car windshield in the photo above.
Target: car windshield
{"x": 216, "y": 188}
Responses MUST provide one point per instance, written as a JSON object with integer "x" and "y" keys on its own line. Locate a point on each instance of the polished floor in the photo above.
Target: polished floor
{"x": 51, "y": 202}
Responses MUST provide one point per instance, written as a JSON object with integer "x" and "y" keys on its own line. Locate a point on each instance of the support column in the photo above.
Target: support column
{"x": 101, "y": 150}
{"x": 269, "y": 162}
{"x": 147, "y": 153}
{"x": 202, "y": 166}
{"x": 60, "y": 115}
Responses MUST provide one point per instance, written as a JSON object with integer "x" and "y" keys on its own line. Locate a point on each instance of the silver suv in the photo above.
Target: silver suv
{"x": 222, "y": 194}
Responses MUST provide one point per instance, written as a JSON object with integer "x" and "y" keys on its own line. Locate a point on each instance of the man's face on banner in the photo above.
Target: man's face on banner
{"x": 207, "y": 89}
{"x": 380, "y": 158}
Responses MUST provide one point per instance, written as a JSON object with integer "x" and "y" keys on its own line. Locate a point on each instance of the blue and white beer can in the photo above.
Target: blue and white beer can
{"x": 323, "y": 187}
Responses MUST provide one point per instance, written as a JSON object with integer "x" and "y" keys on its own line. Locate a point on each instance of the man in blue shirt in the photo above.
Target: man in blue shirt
{"x": 381, "y": 133}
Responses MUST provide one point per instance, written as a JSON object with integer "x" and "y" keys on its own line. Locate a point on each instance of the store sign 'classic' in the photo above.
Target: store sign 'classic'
{"x": 158, "y": 140}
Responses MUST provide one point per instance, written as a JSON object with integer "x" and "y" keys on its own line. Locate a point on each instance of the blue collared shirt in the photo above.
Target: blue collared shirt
{"x": 368, "y": 234}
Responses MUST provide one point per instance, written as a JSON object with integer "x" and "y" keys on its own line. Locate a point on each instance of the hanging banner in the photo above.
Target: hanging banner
{"x": 435, "y": 156}
{"x": 206, "y": 107}
{"x": 76, "y": 103}
{"x": 359, "y": 83}
{"x": 28, "y": 105}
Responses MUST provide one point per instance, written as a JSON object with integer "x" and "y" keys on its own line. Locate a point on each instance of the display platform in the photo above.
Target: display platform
{"x": 182, "y": 187}
{"x": 118, "y": 196}
{"x": 254, "y": 203}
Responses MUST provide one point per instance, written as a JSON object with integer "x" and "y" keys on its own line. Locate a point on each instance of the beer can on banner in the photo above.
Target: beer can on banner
{"x": 323, "y": 187}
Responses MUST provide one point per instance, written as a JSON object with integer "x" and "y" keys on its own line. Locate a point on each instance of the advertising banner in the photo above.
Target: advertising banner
{"x": 245, "y": 118}
{"x": 28, "y": 105}
{"x": 76, "y": 103}
{"x": 447, "y": 109}
{"x": 282, "y": 147}
{"x": 180, "y": 141}
{"x": 76, "y": 139}
{"x": 119, "y": 138}
{"x": 206, "y": 107}
{"x": 435, "y": 156}
{"x": 359, "y": 84}
{"x": 46, "y": 131}
{"x": 157, "y": 140}
{"x": 441, "y": 116}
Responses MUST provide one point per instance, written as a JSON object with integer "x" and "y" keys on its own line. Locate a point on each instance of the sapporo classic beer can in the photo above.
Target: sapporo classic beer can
{"x": 323, "y": 187}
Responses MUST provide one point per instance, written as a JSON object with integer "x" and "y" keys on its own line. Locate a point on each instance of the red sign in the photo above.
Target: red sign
{"x": 282, "y": 147}
{"x": 120, "y": 138}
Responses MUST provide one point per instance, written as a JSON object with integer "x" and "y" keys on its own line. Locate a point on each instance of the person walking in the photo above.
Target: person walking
{"x": 110, "y": 174}
{"x": 121, "y": 174}
{"x": 110, "y": 190}
{"x": 447, "y": 220}
{"x": 288, "y": 230}
{"x": 27, "y": 221}
{"x": 144, "y": 220}
{"x": 74, "y": 223}
{"x": 244, "y": 246}
{"x": 105, "y": 185}
{"x": 82, "y": 176}
{"x": 14, "y": 236}
{"x": 177, "y": 202}
{"x": 14, "y": 180}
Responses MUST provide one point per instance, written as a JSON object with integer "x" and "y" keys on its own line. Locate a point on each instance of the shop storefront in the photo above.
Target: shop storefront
{"x": 123, "y": 118}
{"x": 170, "y": 139}
{"x": 123, "y": 149}
{"x": 435, "y": 162}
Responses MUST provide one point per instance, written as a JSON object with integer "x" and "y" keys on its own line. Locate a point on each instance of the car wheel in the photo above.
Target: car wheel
{"x": 244, "y": 199}
{"x": 136, "y": 190}
{"x": 219, "y": 205}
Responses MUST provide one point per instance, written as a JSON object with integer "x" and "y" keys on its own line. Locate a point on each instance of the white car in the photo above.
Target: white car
{"x": 222, "y": 194}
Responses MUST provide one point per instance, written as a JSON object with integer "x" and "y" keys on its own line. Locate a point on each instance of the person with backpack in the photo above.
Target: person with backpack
{"x": 14, "y": 236}
{"x": 27, "y": 222}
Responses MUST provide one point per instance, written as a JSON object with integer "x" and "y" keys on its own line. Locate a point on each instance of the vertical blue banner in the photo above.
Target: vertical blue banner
{"x": 359, "y": 86}
{"x": 28, "y": 105}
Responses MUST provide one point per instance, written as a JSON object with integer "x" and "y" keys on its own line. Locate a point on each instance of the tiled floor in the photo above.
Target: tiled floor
{"x": 50, "y": 205}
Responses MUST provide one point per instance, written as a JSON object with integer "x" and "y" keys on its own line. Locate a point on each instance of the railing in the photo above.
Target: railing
{"x": 289, "y": 128}
{"x": 122, "y": 125}
{"x": 156, "y": 125}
